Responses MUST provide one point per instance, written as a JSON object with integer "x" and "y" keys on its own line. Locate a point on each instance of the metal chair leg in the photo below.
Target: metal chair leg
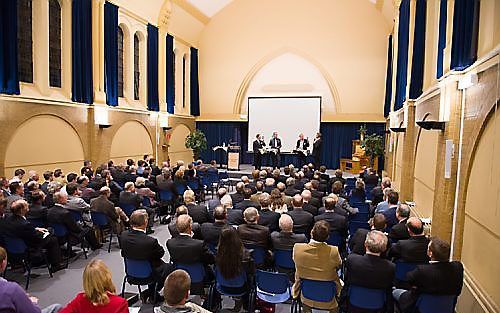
{"x": 123, "y": 286}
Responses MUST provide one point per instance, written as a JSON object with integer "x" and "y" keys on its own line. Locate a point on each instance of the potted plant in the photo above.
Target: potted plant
{"x": 197, "y": 142}
{"x": 374, "y": 146}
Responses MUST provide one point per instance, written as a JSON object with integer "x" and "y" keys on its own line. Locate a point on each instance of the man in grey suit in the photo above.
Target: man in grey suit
{"x": 286, "y": 239}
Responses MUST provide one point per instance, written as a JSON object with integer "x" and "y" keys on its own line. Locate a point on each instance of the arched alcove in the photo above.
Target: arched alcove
{"x": 44, "y": 142}
{"x": 131, "y": 141}
{"x": 177, "y": 149}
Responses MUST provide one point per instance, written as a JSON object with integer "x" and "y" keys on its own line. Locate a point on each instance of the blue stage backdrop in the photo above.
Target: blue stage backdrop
{"x": 337, "y": 140}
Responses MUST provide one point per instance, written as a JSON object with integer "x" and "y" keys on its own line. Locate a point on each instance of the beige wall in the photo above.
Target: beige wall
{"x": 481, "y": 239}
{"x": 425, "y": 173}
{"x": 131, "y": 141}
{"x": 348, "y": 39}
{"x": 489, "y": 26}
{"x": 177, "y": 148}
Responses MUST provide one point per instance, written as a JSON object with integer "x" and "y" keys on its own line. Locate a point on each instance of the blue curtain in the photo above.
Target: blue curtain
{"x": 465, "y": 34}
{"x": 388, "y": 79}
{"x": 194, "y": 86}
{"x": 170, "y": 88}
{"x": 111, "y": 53}
{"x": 153, "y": 102}
{"x": 417, "y": 67}
{"x": 9, "y": 81}
{"x": 402, "y": 63}
{"x": 82, "y": 83}
{"x": 443, "y": 17}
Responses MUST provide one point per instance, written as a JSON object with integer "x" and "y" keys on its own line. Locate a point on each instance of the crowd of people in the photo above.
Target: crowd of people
{"x": 233, "y": 234}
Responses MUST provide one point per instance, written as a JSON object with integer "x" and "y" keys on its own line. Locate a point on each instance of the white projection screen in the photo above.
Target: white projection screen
{"x": 289, "y": 116}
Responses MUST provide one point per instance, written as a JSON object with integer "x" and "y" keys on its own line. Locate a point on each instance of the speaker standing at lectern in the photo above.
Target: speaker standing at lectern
{"x": 301, "y": 148}
{"x": 258, "y": 145}
{"x": 275, "y": 146}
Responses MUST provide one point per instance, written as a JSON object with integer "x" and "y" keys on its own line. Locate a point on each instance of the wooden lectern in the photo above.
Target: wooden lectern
{"x": 233, "y": 158}
{"x": 358, "y": 160}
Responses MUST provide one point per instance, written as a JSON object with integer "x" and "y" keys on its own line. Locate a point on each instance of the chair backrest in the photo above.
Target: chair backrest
{"x": 367, "y": 298}
{"x": 193, "y": 184}
{"x": 195, "y": 270}
{"x": 427, "y": 303}
{"x": 166, "y": 195}
{"x": 146, "y": 201}
{"x": 15, "y": 245}
{"x": 223, "y": 175}
{"x": 99, "y": 218}
{"x": 317, "y": 290}
{"x": 283, "y": 259}
{"x": 350, "y": 181}
{"x": 402, "y": 268}
{"x": 60, "y": 230}
{"x": 138, "y": 268}
{"x": 212, "y": 247}
{"x": 362, "y": 206}
{"x": 233, "y": 283}
{"x": 77, "y": 216}
{"x": 37, "y": 222}
{"x": 354, "y": 226}
{"x": 212, "y": 177}
{"x": 128, "y": 208}
{"x": 335, "y": 239}
{"x": 180, "y": 188}
{"x": 274, "y": 283}
{"x": 360, "y": 217}
{"x": 258, "y": 254}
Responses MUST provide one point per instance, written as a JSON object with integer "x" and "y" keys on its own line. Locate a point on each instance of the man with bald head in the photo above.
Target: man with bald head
{"x": 413, "y": 250}
{"x": 251, "y": 233}
{"x": 285, "y": 239}
{"x": 338, "y": 223}
{"x": 306, "y": 205}
{"x": 400, "y": 231}
{"x": 302, "y": 220}
{"x": 267, "y": 217}
{"x": 211, "y": 231}
{"x": 238, "y": 196}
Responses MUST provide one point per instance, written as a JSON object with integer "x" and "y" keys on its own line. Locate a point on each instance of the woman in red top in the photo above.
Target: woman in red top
{"x": 99, "y": 292}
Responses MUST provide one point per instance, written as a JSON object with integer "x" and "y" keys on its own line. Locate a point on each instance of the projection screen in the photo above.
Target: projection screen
{"x": 289, "y": 116}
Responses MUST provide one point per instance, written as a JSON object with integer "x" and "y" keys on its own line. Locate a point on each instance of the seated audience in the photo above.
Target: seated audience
{"x": 165, "y": 182}
{"x": 4, "y": 185}
{"x": 198, "y": 212}
{"x": 176, "y": 294}
{"x": 238, "y": 196}
{"x": 357, "y": 241}
{"x": 48, "y": 176}
{"x": 384, "y": 205}
{"x": 343, "y": 207}
{"x": 337, "y": 222}
{"x": 259, "y": 189}
{"x": 290, "y": 187}
{"x": 246, "y": 202}
{"x": 318, "y": 261}
{"x": 369, "y": 271}
{"x": 302, "y": 220}
{"x": 35, "y": 238}
{"x": 338, "y": 177}
{"x": 279, "y": 199}
{"x": 212, "y": 203}
{"x": 129, "y": 196}
{"x": 371, "y": 177}
{"x": 286, "y": 239}
{"x": 86, "y": 193}
{"x": 306, "y": 205}
{"x": 18, "y": 175}
{"x": 358, "y": 193}
{"x": 210, "y": 232}
{"x": 70, "y": 179}
{"x": 16, "y": 193}
{"x": 378, "y": 191}
{"x": 251, "y": 233}
{"x": 234, "y": 216}
{"x": 116, "y": 216}
{"x": 77, "y": 204}
{"x": 137, "y": 245}
{"x": 142, "y": 190}
{"x": 269, "y": 185}
{"x": 99, "y": 292}
{"x": 315, "y": 192}
{"x": 37, "y": 210}
{"x": 390, "y": 213}
{"x": 439, "y": 277}
{"x": 267, "y": 217}
{"x": 414, "y": 249}
{"x": 14, "y": 299}
{"x": 400, "y": 231}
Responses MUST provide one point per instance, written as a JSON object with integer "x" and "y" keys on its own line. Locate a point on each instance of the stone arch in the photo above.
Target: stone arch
{"x": 242, "y": 90}
{"x": 130, "y": 141}
{"x": 177, "y": 150}
{"x": 31, "y": 148}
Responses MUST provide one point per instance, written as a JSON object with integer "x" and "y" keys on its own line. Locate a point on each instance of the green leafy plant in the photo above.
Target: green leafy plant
{"x": 197, "y": 142}
{"x": 374, "y": 146}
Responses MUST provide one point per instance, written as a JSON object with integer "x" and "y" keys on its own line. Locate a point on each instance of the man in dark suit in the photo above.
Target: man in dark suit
{"x": 369, "y": 271}
{"x": 413, "y": 250}
{"x": 172, "y": 226}
{"x": 16, "y": 225}
{"x": 48, "y": 176}
{"x": 439, "y": 277}
{"x": 306, "y": 203}
{"x": 130, "y": 197}
{"x": 238, "y": 196}
{"x": 115, "y": 215}
{"x": 290, "y": 187}
{"x": 258, "y": 144}
{"x": 286, "y": 239}
{"x": 301, "y": 147}
{"x": 400, "y": 231}
{"x": 302, "y": 220}
{"x": 234, "y": 216}
{"x": 371, "y": 179}
{"x": 317, "y": 150}
{"x": 137, "y": 245}
{"x": 37, "y": 210}
{"x": 246, "y": 203}
{"x": 275, "y": 144}
{"x": 210, "y": 232}
{"x": 183, "y": 249}
{"x": 390, "y": 214}
{"x": 378, "y": 191}
{"x": 357, "y": 241}
{"x": 198, "y": 212}
{"x": 268, "y": 217}
{"x": 251, "y": 233}
{"x": 338, "y": 223}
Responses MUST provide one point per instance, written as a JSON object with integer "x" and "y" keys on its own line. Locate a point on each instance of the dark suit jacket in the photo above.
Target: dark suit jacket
{"x": 277, "y": 145}
{"x": 103, "y": 205}
{"x": 390, "y": 217}
{"x": 357, "y": 241}
{"x": 130, "y": 198}
{"x": 377, "y": 195}
{"x": 17, "y": 226}
{"x": 237, "y": 198}
{"x": 60, "y": 215}
{"x": 371, "y": 180}
{"x": 316, "y": 202}
{"x": 139, "y": 246}
{"x": 38, "y": 212}
{"x": 308, "y": 207}
{"x": 337, "y": 222}
{"x": 246, "y": 203}
{"x": 199, "y": 213}
{"x": 399, "y": 231}
{"x": 411, "y": 250}
{"x": 270, "y": 219}
{"x": 285, "y": 241}
{"x": 165, "y": 184}
{"x": 306, "y": 144}
{"x": 172, "y": 228}
{"x": 258, "y": 144}
{"x": 186, "y": 250}
{"x": 317, "y": 194}
{"x": 254, "y": 234}
{"x": 317, "y": 147}
{"x": 210, "y": 232}
{"x": 291, "y": 191}
{"x": 302, "y": 221}
{"x": 441, "y": 278}
{"x": 235, "y": 217}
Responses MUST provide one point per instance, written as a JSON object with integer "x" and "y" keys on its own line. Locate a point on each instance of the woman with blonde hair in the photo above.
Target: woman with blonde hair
{"x": 99, "y": 292}
{"x": 278, "y": 205}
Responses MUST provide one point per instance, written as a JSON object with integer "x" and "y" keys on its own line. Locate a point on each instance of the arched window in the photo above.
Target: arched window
{"x": 137, "y": 70}
{"x": 120, "y": 62}
{"x": 25, "y": 40}
{"x": 54, "y": 43}
{"x": 184, "y": 81}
